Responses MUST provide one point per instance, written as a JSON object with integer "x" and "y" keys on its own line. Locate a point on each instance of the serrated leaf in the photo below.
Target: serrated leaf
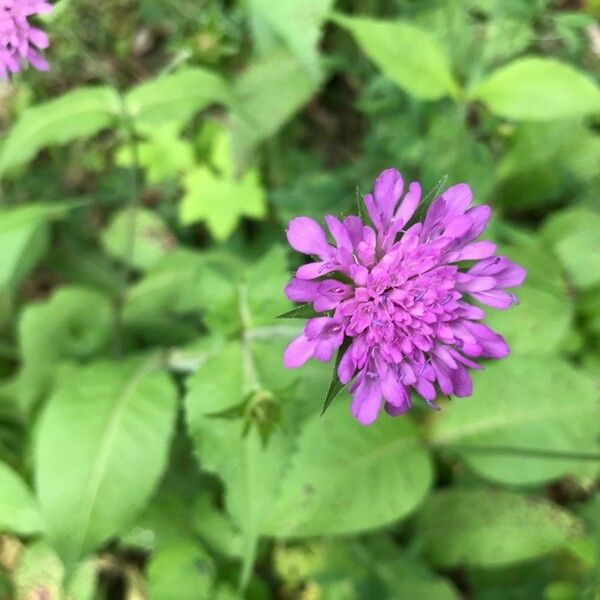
{"x": 101, "y": 446}
{"x": 524, "y": 402}
{"x": 410, "y": 56}
{"x": 221, "y": 200}
{"x": 176, "y": 96}
{"x": 538, "y": 89}
{"x": 485, "y": 527}
{"x": 346, "y": 478}
{"x": 77, "y": 114}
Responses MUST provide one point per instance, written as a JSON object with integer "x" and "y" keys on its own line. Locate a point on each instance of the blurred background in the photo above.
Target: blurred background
{"x": 151, "y": 443}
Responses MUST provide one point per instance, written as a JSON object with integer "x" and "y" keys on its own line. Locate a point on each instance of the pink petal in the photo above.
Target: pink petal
{"x": 307, "y": 236}
{"x": 298, "y": 352}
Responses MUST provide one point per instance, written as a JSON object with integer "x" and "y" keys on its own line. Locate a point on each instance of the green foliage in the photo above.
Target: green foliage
{"x": 18, "y": 510}
{"x": 560, "y": 412}
{"x": 176, "y": 97}
{"x": 492, "y": 528}
{"x": 101, "y": 446}
{"x": 410, "y": 56}
{"x": 538, "y": 89}
{"x": 152, "y": 445}
{"x": 80, "y": 113}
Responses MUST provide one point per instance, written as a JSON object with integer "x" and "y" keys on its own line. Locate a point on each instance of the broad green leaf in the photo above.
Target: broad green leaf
{"x": 138, "y": 237}
{"x": 176, "y": 96}
{"x": 492, "y": 528}
{"x": 544, "y": 317}
{"x": 268, "y": 94}
{"x": 221, "y": 200}
{"x": 538, "y": 89}
{"x": 19, "y": 512}
{"x": 410, "y": 56}
{"x": 100, "y": 449}
{"x": 297, "y": 23}
{"x": 24, "y": 236}
{"x": 76, "y": 322}
{"x": 345, "y": 478}
{"x": 575, "y": 237}
{"x": 250, "y": 468}
{"x": 524, "y": 402}
{"x": 184, "y": 570}
{"x": 80, "y": 113}
{"x": 164, "y": 154}
{"x": 216, "y": 529}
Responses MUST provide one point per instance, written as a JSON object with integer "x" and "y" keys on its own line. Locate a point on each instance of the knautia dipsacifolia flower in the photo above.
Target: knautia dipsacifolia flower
{"x": 18, "y": 39}
{"x": 401, "y": 295}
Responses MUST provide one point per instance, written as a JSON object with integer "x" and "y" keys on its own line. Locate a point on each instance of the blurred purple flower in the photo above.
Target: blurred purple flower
{"x": 18, "y": 39}
{"x": 401, "y": 299}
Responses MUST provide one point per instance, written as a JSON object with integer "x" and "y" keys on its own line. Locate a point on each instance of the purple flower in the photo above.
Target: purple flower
{"x": 18, "y": 39}
{"x": 400, "y": 294}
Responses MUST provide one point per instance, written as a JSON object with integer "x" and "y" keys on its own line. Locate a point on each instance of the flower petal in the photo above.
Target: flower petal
{"x": 307, "y": 236}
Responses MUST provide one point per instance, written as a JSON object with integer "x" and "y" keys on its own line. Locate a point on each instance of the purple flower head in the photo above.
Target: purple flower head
{"x": 400, "y": 294}
{"x": 18, "y": 39}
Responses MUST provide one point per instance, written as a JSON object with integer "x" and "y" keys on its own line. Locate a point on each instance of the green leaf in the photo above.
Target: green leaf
{"x": 298, "y": 24}
{"x": 24, "y": 236}
{"x": 101, "y": 446}
{"x": 575, "y": 236}
{"x": 524, "y": 402}
{"x": 545, "y": 315}
{"x": 164, "y": 155}
{"x": 304, "y": 311}
{"x": 177, "y": 96}
{"x": 335, "y": 386}
{"x": 77, "y": 114}
{"x": 346, "y": 478}
{"x": 138, "y": 237}
{"x": 75, "y": 322}
{"x": 492, "y": 528}
{"x": 19, "y": 512}
{"x": 410, "y": 56}
{"x": 185, "y": 569}
{"x": 538, "y": 89}
{"x": 250, "y": 469}
{"x": 221, "y": 201}
{"x": 261, "y": 112}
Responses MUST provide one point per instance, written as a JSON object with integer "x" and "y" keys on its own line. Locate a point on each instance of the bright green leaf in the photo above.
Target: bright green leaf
{"x": 164, "y": 155}
{"x": 100, "y": 449}
{"x": 23, "y": 237}
{"x": 410, "y": 56}
{"x": 492, "y": 528}
{"x": 575, "y": 237}
{"x": 538, "y": 89}
{"x": 19, "y": 512}
{"x": 221, "y": 201}
{"x": 183, "y": 569}
{"x": 176, "y": 96}
{"x": 521, "y": 403}
{"x": 268, "y": 93}
{"x": 297, "y": 23}
{"x": 75, "y": 322}
{"x": 77, "y": 114}
{"x": 139, "y": 237}
{"x": 544, "y": 317}
{"x": 345, "y": 478}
